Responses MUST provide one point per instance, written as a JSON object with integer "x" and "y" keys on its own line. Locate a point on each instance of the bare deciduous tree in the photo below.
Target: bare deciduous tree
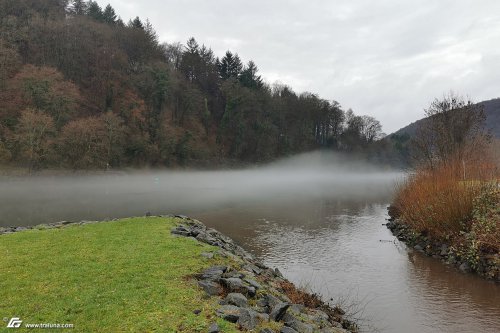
{"x": 33, "y": 131}
{"x": 113, "y": 133}
{"x": 453, "y": 128}
{"x": 372, "y": 129}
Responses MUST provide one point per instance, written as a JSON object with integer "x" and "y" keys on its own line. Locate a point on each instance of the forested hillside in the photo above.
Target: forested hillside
{"x": 80, "y": 88}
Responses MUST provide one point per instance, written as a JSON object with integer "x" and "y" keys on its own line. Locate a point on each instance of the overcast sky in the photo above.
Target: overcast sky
{"x": 385, "y": 58}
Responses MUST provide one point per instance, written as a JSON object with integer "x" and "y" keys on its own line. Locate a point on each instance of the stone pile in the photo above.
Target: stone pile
{"x": 251, "y": 293}
{"x": 488, "y": 266}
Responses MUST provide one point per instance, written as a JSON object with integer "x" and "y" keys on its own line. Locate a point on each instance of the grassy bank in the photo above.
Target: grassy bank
{"x": 127, "y": 275}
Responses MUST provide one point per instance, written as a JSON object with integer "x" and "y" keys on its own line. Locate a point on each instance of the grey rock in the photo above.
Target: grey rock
{"x": 465, "y": 267}
{"x": 213, "y": 273}
{"x": 278, "y": 311}
{"x": 252, "y": 268}
{"x": 237, "y": 285}
{"x": 253, "y": 283}
{"x": 262, "y": 302}
{"x": 277, "y": 273}
{"x": 180, "y": 232}
{"x": 182, "y": 228}
{"x": 260, "y": 265}
{"x": 287, "y": 329}
{"x": 264, "y": 317}
{"x": 212, "y": 231}
{"x": 251, "y": 291}
{"x": 418, "y": 247}
{"x": 195, "y": 231}
{"x": 229, "y": 312}
{"x": 296, "y": 309}
{"x": 214, "y": 328}
{"x": 233, "y": 274}
{"x": 210, "y": 287}
{"x": 234, "y": 284}
{"x": 271, "y": 301}
{"x": 268, "y": 273}
{"x": 299, "y": 326}
{"x": 247, "y": 319}
{"x": 336, "y": 324}
{"x": 206, "y": 238}
{"x": 207, "y": 255}
{"x": 319, "y": 316}
{"x": 237, "y": 299}
{"x": 262, "y": 309}
{"x": 288, "y": 317}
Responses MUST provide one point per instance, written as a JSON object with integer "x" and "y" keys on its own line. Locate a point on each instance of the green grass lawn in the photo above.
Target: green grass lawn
{"x": 121, "y": 276}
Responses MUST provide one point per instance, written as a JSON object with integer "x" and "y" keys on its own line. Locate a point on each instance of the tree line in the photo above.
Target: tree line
{"x": 82, "y": 89}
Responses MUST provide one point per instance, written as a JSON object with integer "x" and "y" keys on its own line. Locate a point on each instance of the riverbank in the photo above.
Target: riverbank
{"x": 486, "y": 265}
{"x": 150, "y": 273}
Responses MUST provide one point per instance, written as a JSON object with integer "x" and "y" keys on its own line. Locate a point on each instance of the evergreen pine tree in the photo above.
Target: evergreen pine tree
{"x": 230, "y": 66}
{"x": 94, "y": 11}
{"x": 136, "y": 23}
{"x": 78, "y": 7}
{"x": 109, "y": 15}
{"x": 249, "y": 77}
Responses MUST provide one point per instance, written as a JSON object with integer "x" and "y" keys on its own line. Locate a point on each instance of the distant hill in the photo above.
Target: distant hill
{"x": 399, "y": 142}
{"x": 492, "y": 123}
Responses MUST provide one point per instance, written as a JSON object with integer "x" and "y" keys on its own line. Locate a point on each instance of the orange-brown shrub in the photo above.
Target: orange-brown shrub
{"x": 439, "y": 202}
{"x": 301, "y": 296}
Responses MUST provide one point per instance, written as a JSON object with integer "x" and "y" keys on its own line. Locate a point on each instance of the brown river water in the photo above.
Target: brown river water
{"x": 322, "y": 228}
{"x": 342, "y": 251}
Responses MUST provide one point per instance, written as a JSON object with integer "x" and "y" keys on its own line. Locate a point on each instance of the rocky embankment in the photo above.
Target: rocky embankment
{"x": 488, "y": 265}
{"x": 252, "y": 294}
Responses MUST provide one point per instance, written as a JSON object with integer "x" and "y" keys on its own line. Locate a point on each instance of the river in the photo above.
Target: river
{"x": 322, "y": 227}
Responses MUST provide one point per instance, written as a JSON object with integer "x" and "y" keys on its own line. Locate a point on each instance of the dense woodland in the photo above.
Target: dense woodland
{"x": 82, "y": 89}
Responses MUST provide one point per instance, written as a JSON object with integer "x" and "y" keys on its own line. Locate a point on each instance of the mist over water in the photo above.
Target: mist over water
{"x": 35, "y": 200}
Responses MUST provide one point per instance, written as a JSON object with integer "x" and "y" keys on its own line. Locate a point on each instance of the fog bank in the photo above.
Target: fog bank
{"x": 34, "y": 200}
